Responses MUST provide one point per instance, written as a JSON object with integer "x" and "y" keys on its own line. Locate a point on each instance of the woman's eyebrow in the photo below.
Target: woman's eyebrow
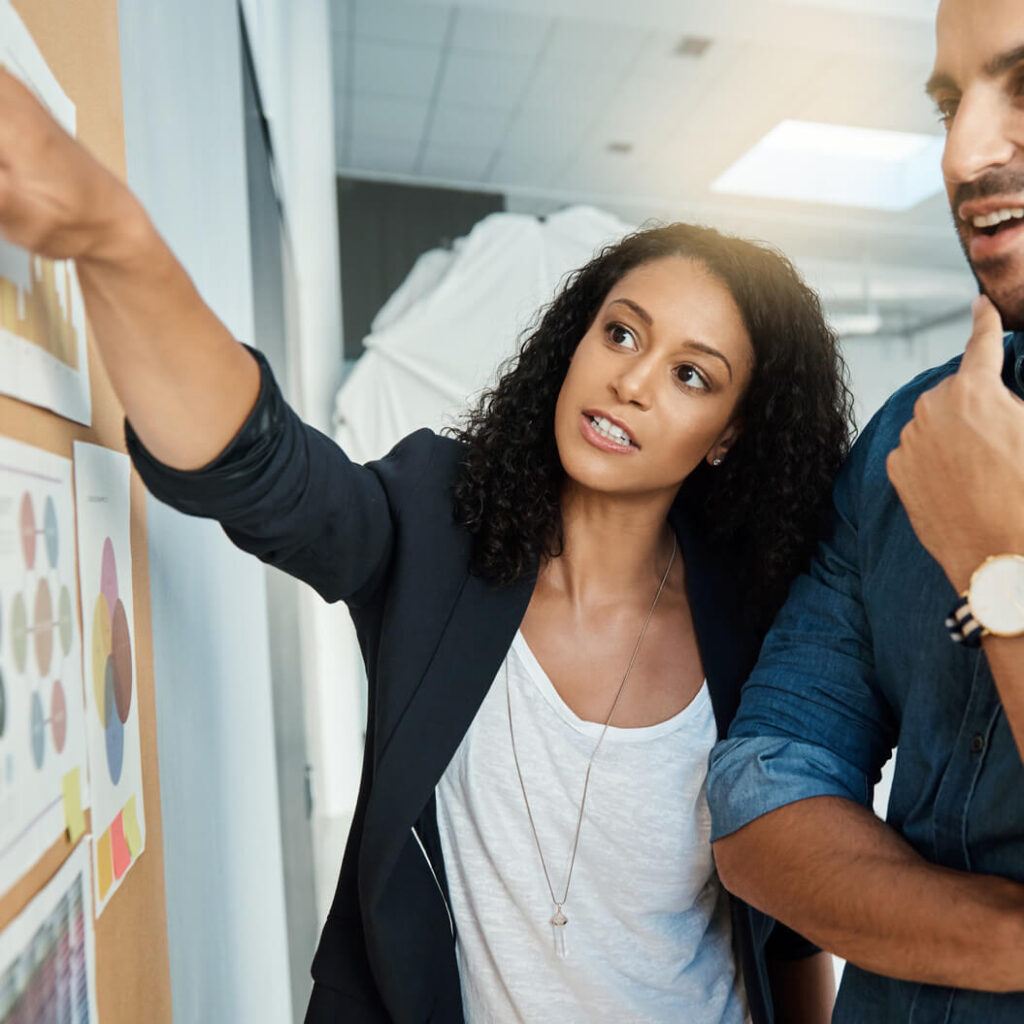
{"x": 637, "y": 308}
{"x": 700, "y": 346}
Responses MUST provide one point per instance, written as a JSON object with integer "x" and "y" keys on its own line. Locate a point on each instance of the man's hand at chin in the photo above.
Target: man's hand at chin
{"x": 959, "y": 466}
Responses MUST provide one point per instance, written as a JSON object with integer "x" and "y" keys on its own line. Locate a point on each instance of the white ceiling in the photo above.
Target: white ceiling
{"x": 525, "y": 97}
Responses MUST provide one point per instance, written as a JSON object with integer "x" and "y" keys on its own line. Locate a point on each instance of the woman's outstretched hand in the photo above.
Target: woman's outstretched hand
{"x": 56, "y": 199}
{"x": 183, "y": 380}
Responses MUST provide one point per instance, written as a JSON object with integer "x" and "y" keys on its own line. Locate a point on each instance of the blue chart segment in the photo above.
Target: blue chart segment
{"x": 114, "y": 727}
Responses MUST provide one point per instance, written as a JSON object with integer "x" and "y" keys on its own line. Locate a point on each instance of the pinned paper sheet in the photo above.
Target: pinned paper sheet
{"x": 74, "y": 817}
{"x": 42, "y": 714}
{"x": 48, "y": 952}
{"x": 103, "y": 498}
{"x": 132, "y": 834}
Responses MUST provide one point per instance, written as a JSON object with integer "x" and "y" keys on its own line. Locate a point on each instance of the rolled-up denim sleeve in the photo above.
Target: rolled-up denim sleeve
{"x": 812, "y": 721}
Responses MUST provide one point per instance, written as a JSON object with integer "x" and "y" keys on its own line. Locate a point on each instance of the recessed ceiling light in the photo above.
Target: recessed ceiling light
{"x": 839, "y": 165}
{"x": 620, "y": 147}
{"x": 692, "y": 46}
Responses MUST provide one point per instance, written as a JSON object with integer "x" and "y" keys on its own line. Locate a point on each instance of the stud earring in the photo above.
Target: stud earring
{"x": 717, "y": 460}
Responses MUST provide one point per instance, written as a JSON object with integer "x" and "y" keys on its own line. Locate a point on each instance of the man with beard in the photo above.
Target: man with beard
{"x": 927, "y": 548}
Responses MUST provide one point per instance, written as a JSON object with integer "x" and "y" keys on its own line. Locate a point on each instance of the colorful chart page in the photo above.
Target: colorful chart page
{"x": 48, "y": 952}
{"x": 42, "y": 315}
{"x": 102, "y": 498}
{"x": 42, "y": 718}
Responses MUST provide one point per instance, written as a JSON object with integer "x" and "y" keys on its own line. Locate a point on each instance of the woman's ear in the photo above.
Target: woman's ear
{"x": 718, "y": 451}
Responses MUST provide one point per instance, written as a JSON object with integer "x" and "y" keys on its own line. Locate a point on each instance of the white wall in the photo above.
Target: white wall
{"x": 292, "y": 52}
{"x": 879, "y": 366}
{"x": 222, "y": 842}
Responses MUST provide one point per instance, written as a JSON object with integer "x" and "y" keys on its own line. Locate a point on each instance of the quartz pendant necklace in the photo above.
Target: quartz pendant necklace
{"x": 559, "y": 921}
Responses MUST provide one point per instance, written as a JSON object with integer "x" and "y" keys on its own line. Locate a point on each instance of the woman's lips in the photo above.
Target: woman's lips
{"x": 598, "y": 440}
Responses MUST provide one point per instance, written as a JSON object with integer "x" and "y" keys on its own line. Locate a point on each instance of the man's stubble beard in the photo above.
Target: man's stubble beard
{"x": 997, "y": 280}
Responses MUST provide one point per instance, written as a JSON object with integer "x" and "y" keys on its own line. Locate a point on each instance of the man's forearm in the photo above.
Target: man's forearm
{"x": 832, "y": 871}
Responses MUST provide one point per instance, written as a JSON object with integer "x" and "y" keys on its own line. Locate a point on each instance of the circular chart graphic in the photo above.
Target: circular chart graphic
{"x": 37, "y": 628}
{"x": 111, "y": 662}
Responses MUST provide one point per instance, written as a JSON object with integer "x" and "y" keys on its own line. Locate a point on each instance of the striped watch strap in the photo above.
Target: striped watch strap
{"x": 963, "y": 627}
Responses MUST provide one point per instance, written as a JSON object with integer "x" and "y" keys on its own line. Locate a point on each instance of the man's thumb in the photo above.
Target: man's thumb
{"x": 984, "y": 350}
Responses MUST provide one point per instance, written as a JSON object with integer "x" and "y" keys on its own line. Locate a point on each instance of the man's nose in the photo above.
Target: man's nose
{"x": 979, "y": 139}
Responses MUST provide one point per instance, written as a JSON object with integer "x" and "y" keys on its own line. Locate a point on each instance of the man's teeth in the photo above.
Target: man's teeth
{"x": 990, "y": 220}
{"x": 610, "y": 430}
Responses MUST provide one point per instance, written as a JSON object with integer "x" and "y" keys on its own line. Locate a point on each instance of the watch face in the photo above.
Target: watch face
{"x": 996, "y": 596}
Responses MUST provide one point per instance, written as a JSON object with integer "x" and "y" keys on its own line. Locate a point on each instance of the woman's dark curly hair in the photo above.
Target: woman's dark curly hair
{"x": 763, "y": 508}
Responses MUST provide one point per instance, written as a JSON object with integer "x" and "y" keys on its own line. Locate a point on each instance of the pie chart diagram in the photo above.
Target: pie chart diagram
{"x": 111, "y": 662}
{"x": 39, "y": 619}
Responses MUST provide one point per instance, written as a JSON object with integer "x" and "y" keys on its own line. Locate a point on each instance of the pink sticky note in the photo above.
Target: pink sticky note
{"x": 119, "y": 847}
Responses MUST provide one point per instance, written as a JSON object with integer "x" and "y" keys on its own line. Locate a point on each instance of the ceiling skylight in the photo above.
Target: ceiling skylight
{"x": 839, "y": 165}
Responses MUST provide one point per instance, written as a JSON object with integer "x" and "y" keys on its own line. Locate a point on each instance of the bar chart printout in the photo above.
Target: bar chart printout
{"x": 48, "y": 952}
{"x": 42, "y": 314}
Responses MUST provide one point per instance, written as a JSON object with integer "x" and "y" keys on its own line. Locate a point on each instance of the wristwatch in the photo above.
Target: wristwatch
{"x": 993, "y": 602}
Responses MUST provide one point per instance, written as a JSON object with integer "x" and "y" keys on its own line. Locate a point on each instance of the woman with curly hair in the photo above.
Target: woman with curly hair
{"x": 557, "y": 606}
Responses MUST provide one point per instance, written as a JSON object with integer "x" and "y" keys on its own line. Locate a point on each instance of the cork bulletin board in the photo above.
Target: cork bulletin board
{"x": 81, "y": 848}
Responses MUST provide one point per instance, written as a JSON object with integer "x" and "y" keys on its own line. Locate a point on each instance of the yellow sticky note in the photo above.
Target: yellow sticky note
{"x": 104, "y": 863}
{"x": 74, "y": 818}
{"x": 132, "y": 835}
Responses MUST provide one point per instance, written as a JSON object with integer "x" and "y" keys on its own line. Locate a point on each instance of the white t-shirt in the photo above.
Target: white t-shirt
{"x": 649, "y": 937}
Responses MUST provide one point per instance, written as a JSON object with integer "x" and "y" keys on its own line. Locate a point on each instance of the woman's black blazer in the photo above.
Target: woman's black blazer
{"x": 381, "y": 537}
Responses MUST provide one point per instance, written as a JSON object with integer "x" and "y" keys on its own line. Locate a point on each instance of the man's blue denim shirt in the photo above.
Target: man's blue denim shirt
{"x": 858, "y": 659}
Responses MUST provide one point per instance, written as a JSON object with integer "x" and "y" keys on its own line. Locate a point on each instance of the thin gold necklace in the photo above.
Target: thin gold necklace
{"x": 559, "y": 920}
